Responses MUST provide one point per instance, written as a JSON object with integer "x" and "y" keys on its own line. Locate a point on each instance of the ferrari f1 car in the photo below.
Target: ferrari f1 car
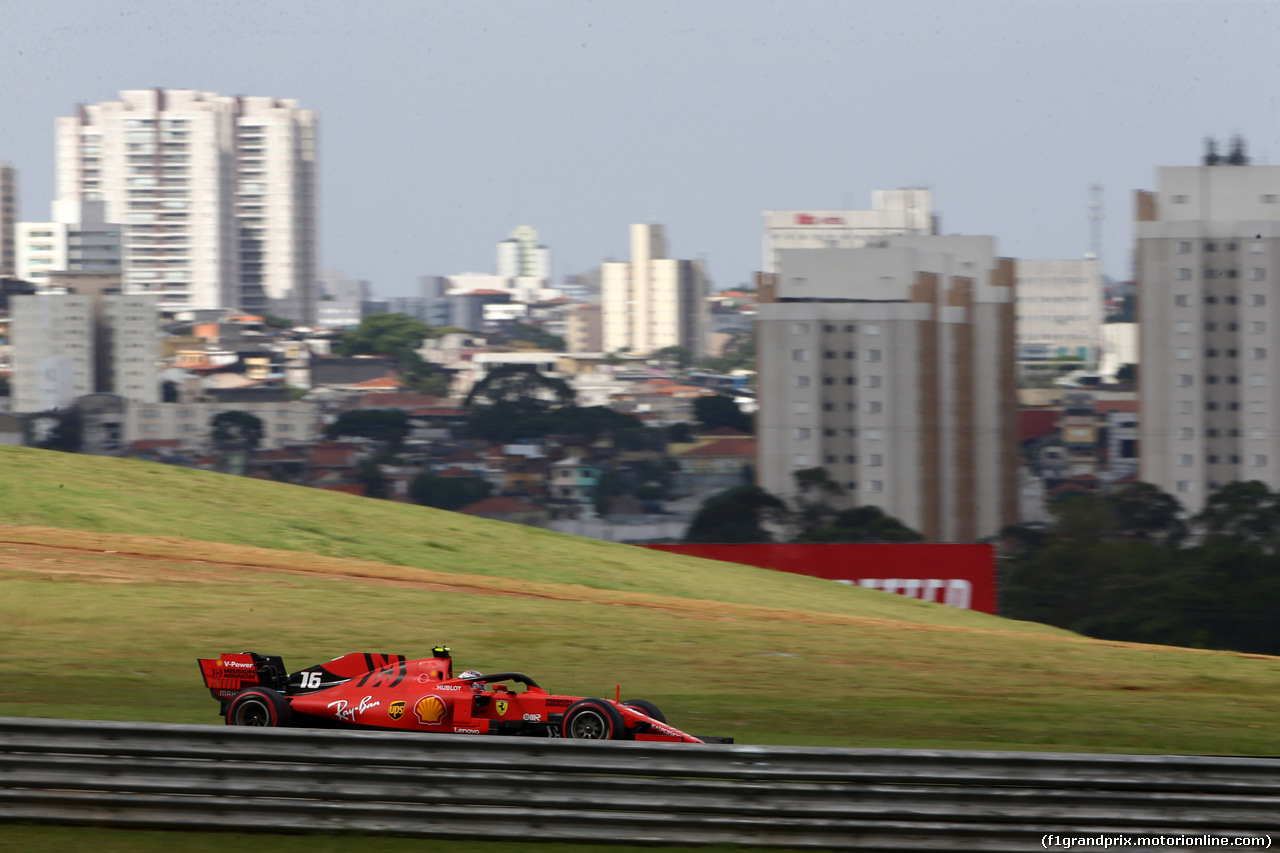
{"x": 363, "y": 690}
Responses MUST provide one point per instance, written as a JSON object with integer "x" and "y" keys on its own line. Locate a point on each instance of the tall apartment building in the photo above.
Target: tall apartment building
{"x": 521, "y": 255}
{"x": 89, "y": 339}
{"x": 653, "y": 301}
{"x": 340, "y": 300}
{"x": 1060, "y": 309}
{"x": 892, "y": 367}
{"x": 217, "y": 195}
{"x": 894, "y": 212}
{"x": 8, "y": 218}
{"x": 78, "y": 237}
{"x": 1208, "y": 259}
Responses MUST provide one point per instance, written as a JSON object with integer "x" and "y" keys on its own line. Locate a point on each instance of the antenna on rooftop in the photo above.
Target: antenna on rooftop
{"x": 1095, "y": 222}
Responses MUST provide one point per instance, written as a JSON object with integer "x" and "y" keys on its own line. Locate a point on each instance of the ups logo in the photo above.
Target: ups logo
{"x": 395, "y": 710}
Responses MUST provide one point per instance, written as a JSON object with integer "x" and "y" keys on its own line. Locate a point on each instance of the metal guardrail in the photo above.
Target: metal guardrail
{"x": 445, "y": 786}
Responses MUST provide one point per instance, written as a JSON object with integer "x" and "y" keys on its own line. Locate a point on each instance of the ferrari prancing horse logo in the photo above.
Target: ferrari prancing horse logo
{"x": 501, "y": 705}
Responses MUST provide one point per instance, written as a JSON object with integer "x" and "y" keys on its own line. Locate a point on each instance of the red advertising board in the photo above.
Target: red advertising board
{"x": 959, "y": 575}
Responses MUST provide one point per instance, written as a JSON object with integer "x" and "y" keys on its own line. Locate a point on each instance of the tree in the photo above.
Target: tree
{"x": 515, "y": 401}
{"x": 236, "y": 430}
{"x": 1143, "y": 511}
{"x": 389, "y": 426}
{"x": 719, "y": 410}
{"x": 680, "y": 356}
{"x": 539, "y": 338}
{"x": 736, "y": 515}
{"x": 526, "y": 389}
{"x": 1244, "y": 512}
{"x": 384, "y": 334}
{"x": 396, "y": 336}
{"x": 67, "y": 434}
{"x": 862, "y": 524}
{"x": 814, "y": 491}
{"x": 449, "y": 493}
{"x": 371, "y": 477}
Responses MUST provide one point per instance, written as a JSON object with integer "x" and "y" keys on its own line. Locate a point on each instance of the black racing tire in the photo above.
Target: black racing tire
{"x": 647, "y": 708}
{"x": 594, "y": 719}
{"x": 259, "y": 707}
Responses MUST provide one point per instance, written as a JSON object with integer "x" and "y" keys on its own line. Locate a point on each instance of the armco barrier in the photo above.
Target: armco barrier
{"x": 491, "y": 789}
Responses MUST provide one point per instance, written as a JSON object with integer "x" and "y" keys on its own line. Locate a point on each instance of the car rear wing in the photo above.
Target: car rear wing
{"x": 227, "y": 675}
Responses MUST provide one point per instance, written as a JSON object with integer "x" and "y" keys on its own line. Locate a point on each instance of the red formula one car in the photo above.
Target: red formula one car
{"x": 365, "y": 690}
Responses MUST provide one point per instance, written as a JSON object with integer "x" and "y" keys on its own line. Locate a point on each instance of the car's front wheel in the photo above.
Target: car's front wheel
{"x": 593, "y": 719}
{"x": 258, "y": 707}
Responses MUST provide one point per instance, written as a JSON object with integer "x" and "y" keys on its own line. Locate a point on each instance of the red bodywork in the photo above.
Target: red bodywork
{"x": 391, "y": 692}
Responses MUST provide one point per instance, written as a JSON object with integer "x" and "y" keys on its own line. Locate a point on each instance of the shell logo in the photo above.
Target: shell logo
{"x": 430, "y": 710}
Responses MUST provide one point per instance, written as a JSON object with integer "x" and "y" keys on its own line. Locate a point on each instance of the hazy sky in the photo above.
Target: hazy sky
{"x": 443, "y": 125}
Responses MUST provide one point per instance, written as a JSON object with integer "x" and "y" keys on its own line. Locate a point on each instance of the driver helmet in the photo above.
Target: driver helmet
{"x": 473, "y": 673}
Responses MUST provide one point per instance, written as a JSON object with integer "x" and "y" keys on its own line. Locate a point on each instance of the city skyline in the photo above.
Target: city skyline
{"x": 444, "y": 127}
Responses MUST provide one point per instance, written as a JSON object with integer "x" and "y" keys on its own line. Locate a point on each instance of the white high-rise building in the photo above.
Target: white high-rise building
{"x": 894, "y": 212}
{"x": 522, "y": 256}
{"x": 77, "y": 238}
{"x": 88, "y": 339}
{"x": 217, "y": 195}
{"x": 893, "y": 368}
{"x": 1208, "y": 257}
{"x": 653, "y": 301}
{"x": 1060, "y": 310}
{"x": 8, "y": 217}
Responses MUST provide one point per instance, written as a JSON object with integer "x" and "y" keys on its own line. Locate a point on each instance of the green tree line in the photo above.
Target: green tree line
{"x": 1132, "y": 566}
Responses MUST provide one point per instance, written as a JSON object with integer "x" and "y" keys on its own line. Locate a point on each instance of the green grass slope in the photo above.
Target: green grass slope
{"x": 107, "y": 624}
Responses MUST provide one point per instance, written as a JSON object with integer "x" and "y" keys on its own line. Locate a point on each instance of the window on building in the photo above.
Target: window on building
{"x": 800, "y": 460}
{"x": 799, "y": 328}
{"x": 1186, "y": 433}
{"x": 828, "y": 407}
{"x": 875, "y": 460}
{"x": 1184, "y": 247}
{"x": 1182, "y": 328}
{"x": 1182, "y": 354}
{"x": 1182, "y": 301}
{"x": 800, "y": 433}
{"x": 1184, "y": 460}
{"x": 800, "y": 408}
{"x": 1184, "y": 274}
{"x": 1259, "y": 353}
{"x": 1184, "y": 380}
{"x": 1259, "y": 460}
{"x": 873, "y": 381}
{"x": 1180, "y": 199}
{"x": 799, "y": 355}
{"x": 800, "y": 381}
{"x": 1186, "y": 486}
{"x": 871, "y": 329}
{"x": 875, "y": 486}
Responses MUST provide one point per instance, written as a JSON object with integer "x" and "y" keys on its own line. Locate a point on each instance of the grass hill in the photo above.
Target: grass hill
{"x": 115, "y": 575}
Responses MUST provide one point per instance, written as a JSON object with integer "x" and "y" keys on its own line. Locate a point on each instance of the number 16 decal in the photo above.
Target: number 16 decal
{"x": 310, "y": 679}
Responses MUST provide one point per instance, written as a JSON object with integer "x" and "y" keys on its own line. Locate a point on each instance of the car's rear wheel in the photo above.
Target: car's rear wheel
{"x": 647, "y": 708}
{"x": 593, "y": 719}
{"x": 258, "y": 707}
